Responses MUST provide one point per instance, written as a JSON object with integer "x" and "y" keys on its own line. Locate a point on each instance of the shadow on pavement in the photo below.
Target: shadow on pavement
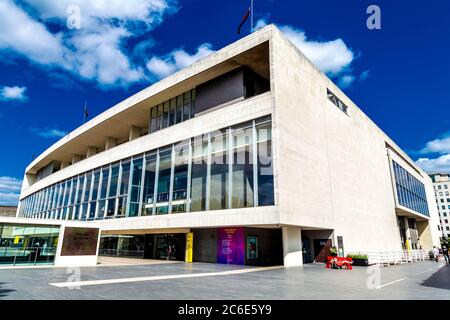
{"x": 4, "y": 292}
{"x": 440, "y": 279}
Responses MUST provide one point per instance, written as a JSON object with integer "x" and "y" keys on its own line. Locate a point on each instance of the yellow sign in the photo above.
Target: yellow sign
{"x": 189, "y": 246}
{"x": 16, "y": 239}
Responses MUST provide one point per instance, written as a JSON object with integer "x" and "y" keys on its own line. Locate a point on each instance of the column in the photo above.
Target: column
{"x": 110, "y": 143}
{"x": 135, "y": 132}
{"x": 292, "y": 246}
{"x": 91, "y": 151}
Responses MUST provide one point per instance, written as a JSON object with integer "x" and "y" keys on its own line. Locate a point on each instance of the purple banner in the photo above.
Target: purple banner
{"x": 230, "y": 245}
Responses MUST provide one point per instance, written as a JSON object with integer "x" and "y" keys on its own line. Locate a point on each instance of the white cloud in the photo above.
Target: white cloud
{"x": 13, "y": 93}
{"x": 178, "y": 59}
{"x": 346, "y": 80}
{"x": 49, "y": 133}
{"x": 9, "y": 191}
{"x": 440, "y": 145}
{"x": 9, "y": 184}
{"x": 440, "y": 164}
{"x": 95, "y": 52}
{"x": 9, "y": 199}
{"x": 331, "y": 57}
{"x": 19, "y": 32}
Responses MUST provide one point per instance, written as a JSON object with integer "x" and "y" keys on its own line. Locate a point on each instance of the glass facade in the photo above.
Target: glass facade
{"x": 410, "y": 191}
{"x": 224, "y": 169}
{"x": 173, "y": 111}
{"x": 28, "y": 244}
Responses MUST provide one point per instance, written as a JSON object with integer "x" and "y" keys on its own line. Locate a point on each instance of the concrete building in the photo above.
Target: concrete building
{"x": 8, "y": 211}
{"x": 441, "y": 183}
{"x": 248, "y": 156}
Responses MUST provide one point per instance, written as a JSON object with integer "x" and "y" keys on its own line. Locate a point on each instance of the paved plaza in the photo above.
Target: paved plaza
{"x": 127, "y": 280}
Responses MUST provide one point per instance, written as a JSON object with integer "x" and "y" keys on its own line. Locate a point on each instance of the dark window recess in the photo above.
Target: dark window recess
{"x": 48, "y": 170}
{"x": 336, "y": 101}
{"x": 240, "y": 83}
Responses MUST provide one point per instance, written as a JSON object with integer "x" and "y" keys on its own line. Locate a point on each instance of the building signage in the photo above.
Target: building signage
{"x": 189, "y": 246}
{"x": 252, "y": 247}
{"x": 230, "y": 245}
{"x": 80, "y": 242}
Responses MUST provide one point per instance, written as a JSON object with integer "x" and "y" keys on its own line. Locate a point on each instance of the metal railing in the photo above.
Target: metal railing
{"x": 26, "y": 255}
{"x": 387, "y": 258}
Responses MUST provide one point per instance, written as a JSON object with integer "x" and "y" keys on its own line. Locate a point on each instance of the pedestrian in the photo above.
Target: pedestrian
{"x": 436, "y": 253}
{"x": 445, "y": 253}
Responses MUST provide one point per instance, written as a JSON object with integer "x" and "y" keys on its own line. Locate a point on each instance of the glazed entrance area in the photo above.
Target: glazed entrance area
{"x": 230, "y": 245}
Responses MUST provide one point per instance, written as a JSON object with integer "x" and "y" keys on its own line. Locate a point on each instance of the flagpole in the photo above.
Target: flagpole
{"x": 251, "y": 18}
{"x": 84, "y": 111}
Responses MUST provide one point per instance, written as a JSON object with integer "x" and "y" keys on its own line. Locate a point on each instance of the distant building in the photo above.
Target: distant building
{"x": 8, "y": 211}
{"x": 441, "y": 182}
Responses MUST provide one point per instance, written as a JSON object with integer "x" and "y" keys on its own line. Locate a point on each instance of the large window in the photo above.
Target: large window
{"x": 149, "y": 184}
{"x": 162, "y": 196}
{"x": 135, "y": 188}
{"x": 224, "y": 169}
{"x": 219, "y": 170}
{"x": 180, "y": 177}
{"x": 265, "y": 164}
{"x": 173, "y": 111}
{"x": 243, "y": 166}
{"x": 199, "y": 173}
{"x": 410, "y": 191}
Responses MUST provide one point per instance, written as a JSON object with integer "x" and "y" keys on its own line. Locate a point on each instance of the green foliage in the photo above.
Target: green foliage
{"x": 333, "y": 251}
{"x": 357, "y": 256}
{"x": 445, "y": 242}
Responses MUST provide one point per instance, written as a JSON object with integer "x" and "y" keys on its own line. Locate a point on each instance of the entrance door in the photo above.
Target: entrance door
{"x": 321, "y": 249}
{"x": 165, "y": 246}
{"x": 306, "y": 249}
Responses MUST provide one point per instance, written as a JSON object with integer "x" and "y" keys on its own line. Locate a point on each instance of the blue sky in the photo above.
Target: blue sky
{"x": 397, "y": 75}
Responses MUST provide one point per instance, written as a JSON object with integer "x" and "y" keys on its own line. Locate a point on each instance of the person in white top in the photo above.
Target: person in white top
{"x": 436, "y": 254}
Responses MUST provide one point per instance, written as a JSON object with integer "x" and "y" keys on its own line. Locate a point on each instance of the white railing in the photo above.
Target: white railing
{"x": 387, "y": 258}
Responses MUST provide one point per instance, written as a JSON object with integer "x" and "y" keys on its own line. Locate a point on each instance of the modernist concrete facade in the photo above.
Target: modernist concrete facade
{"x": 336, "y": 178}
{"x": 441, "y": 183}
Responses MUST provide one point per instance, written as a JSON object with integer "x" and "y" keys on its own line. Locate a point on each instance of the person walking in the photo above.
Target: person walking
{"x": 436, "y": 254}
{"x": 445, "y": 253}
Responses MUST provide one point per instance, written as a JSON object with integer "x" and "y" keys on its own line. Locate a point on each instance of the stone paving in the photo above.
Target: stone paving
{"x": 422, "y": 280}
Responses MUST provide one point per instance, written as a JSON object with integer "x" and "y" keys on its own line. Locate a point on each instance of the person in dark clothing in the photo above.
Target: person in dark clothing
{"x": 445, "y": 253}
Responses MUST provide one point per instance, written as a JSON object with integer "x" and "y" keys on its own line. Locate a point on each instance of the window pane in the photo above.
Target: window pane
{"x": 113, "y": 180}
{"x": 160, "y": 117}
{"x": 162, "y": 198}
{"x": 96, "y": 184}
{"x": 92, "y": 208}
{"x": 199, "y": 175}
{"x": 104, "y": 187}
{"x": 180, "y": 178}
{"x": 121, "y": 210}
{"x": 149, "y": 184}
{"x": 187, "y": 106}
{"x": 242, "y": 168}
{"x": 101, "y": 209}
{"x": 154, "y": 119}
{"x": 88, "y": 187}
{"x": 173, "y": 105}
{"x": 265, "y": 174}
{"x": 111, "y": 207}
{"x": 179, "y": 113}
{"x": 219, "y": 171}
{"x": 135, "y": 187}
{"x": 125, "y": 180}
{"x": 165, "y": 116}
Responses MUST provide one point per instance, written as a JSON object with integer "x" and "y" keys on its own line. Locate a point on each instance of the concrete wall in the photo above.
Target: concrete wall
{"x": 333, "y": 169}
